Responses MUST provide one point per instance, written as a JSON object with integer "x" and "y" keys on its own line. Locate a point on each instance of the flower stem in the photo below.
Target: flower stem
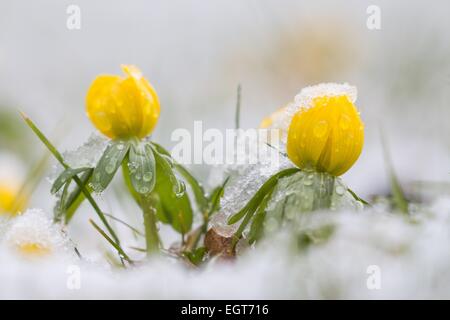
{"x": 151, "y": 230}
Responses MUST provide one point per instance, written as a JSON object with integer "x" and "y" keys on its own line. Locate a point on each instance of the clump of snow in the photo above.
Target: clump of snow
{"x": 305, "y": 98}
{"x": 36, "y": 228}
{"x": 88, "y": 154}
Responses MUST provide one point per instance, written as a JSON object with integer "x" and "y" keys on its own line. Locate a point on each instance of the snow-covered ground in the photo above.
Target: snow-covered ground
{"x": 371, "y": 254}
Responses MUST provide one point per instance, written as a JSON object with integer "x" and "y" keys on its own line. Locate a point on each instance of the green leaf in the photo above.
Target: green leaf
{"x": 112, "y": 242}
{"x": 161, "y": 214}
{"x": 174, "y": 205}
{"x": 65, "y": 177}
{"x": 141, "y": 166}
{"x": 59, "y": 209}
{"x": 76, "y": 197}
{"x": 127, "y": 179}
{"x": 108, "y": 164}
{"x": 260, "y": 194}
{"x": 196, "y": 187}
{"x": 196, "y": 256}
{"x": 216, "y": 195}
{"x": 256, "y": 228}
{"x": 315, "y": 236}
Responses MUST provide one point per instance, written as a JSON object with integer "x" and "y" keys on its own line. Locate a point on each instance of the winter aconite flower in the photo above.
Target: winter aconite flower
{"x": 7, "y": 197}
{"x": 33, "y": 234}
{"x": 326, "y": 134}
{"x": 11, "y": 202}
{"x": 123, "y": 107}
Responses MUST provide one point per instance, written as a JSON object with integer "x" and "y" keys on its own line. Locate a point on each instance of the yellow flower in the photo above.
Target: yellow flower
{"x": 327, "y": 135}
{"x": 123, "y": 108}
{"x": 33, "y": 234}
{"x": 33, "y": 249}
{"x": 10, "y": 201}
{"x": 274, "y": 123}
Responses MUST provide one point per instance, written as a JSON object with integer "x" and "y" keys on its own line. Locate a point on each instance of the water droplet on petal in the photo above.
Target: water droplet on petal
{"x": 321, "y": 129}
{"x": 344, "y": 122}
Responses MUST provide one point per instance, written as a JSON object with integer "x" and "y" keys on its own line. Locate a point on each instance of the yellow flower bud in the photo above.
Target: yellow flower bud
{"x": 327, "y": 135}
{"x": 125, "y": 107}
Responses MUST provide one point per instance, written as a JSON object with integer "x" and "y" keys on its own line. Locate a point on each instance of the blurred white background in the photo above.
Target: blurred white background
{"x": 196, "y": 52}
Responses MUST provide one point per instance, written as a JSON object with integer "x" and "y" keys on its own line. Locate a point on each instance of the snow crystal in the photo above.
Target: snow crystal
{"x": 34, "y": 227}
{"x": 246, "y": 179}
{"x": 283, "y": 118}
{"x": 88, "y": 154}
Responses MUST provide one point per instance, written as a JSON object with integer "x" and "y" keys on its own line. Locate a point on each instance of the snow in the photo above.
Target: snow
{"x": 33, "y": 227}
{"x": 412, "y": 258}
{"x": 88, "y": 154}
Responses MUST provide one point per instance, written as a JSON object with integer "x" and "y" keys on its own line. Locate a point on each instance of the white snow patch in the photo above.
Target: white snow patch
{"x": 412, "y": 258}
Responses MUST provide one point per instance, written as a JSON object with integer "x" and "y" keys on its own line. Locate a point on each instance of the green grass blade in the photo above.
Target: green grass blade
{"x": 44, "y": 140}
{"x": 237, "y": 115}
{"x": 357, "y": 198}
{"x": 398, "y": 196}
{"x": 111, "y": 241}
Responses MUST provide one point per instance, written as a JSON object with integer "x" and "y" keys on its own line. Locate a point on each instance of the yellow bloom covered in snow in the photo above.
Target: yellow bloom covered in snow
{"x": 33, "y": 234}
{"x": 326, "y": 134}
{"x": 123, "y": 107}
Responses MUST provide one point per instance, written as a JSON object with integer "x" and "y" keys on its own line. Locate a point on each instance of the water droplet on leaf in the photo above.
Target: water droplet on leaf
{"x": 148, "y": 176}
{"x": 110, "y": 168}
{"x": 340, "y": 190}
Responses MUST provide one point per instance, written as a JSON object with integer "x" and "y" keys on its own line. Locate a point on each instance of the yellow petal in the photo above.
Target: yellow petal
{"x": 33, "y": 249}
{"x": 123, "y": 107}
{"x": 7, "y": 197}
{"x": 328, "y": 137}
{"x": 10, "y": 201}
